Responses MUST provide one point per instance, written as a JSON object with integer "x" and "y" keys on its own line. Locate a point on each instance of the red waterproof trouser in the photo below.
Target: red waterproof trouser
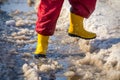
{"x": 49, "y": 10}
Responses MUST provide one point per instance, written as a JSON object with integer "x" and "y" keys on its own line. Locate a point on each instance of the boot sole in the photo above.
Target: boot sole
{"x": 73, "y": 35}
{"x": 37, "y": 56}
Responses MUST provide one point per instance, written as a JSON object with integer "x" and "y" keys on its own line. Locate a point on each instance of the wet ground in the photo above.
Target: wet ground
{"x": 66, "y": 61}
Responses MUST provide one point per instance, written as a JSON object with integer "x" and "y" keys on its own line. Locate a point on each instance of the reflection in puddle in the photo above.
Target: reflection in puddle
{"x": 12, "y": 5}
{"x": 76, "y": 77}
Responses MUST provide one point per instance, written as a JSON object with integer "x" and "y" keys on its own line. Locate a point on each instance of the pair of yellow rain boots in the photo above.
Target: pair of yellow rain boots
{"x": 76, "y": 29}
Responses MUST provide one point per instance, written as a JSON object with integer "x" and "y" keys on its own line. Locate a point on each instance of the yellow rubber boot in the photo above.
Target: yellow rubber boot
{"x": 76, "y": 28}
{"x": 42, "y": 45}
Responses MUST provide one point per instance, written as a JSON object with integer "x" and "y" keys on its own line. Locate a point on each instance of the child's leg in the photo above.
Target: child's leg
{"x": 83, "y": 8}
{"x": 80, "y": 9}
{"x": 48, "y": 13}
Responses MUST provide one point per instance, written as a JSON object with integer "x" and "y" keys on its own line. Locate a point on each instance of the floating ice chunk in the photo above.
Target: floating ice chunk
{"x": 69, "y": 73}
{"x": 10, "y": 23}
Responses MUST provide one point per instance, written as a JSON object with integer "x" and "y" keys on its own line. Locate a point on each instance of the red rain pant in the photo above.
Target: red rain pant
{"x": 49, "y": 10}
